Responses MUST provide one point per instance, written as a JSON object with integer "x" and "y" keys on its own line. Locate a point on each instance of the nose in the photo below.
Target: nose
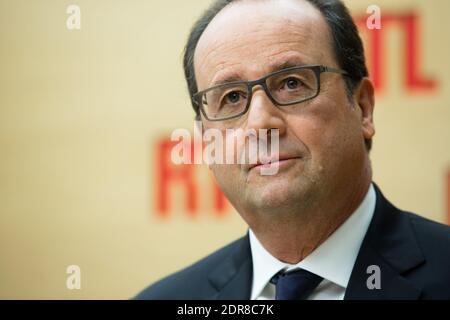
{"x": 263, "y": 114}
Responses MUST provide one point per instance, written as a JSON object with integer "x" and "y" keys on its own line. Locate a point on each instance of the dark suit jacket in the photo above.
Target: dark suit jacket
{"x": 413, "y": 254}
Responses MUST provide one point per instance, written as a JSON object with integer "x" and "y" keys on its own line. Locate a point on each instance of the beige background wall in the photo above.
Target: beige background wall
{"x": 82, "y": 113}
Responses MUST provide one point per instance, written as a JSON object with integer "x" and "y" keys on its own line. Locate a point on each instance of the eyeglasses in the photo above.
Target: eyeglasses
{"x": 284, "y": 88}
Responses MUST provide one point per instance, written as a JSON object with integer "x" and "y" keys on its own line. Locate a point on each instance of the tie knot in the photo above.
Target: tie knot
{"x": 295, "y": 285}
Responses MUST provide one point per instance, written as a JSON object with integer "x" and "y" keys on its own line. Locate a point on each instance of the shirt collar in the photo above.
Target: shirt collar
{"x": 332, "y": 260}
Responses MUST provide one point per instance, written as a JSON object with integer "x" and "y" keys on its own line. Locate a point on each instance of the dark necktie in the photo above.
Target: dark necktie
{"x": 295, "y": 285}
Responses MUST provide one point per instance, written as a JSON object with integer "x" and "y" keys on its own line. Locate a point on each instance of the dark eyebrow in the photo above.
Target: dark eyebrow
{"x": 226, "y": 80}
{"x": 276, "y": 66}
{"x": 285, "y": 64}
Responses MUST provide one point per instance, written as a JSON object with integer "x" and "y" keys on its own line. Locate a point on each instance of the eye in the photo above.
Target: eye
{"x": 293, "y": 83}
{"x": 232, "y": 97}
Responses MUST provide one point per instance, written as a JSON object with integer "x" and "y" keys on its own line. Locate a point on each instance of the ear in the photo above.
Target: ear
{"x": 365, "y": 100}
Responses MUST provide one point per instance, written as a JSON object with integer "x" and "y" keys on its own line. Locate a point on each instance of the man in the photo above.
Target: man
{"x": 319, "y": 228}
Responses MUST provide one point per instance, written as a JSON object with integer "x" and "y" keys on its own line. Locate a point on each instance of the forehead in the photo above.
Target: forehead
{"x": 252, "y": 37}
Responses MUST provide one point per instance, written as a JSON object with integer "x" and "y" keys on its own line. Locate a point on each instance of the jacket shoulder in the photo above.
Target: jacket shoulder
{"x": 430, "y": 228}
{"x": 433, "y": 237}
{"x": 190, "y": 283}
{"x": 433, "y": 275}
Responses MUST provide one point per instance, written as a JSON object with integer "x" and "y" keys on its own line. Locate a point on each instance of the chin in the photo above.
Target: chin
{"x": 275, "y": 196}
{"x": 283, "y": 193}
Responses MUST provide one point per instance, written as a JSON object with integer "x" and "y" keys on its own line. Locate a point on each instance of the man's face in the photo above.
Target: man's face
{"x": 321, "y": 141}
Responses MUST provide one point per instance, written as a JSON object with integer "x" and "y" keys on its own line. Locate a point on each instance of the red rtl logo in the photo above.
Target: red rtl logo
{"x": 185, "y": 175}
{"x": 410, "y": 25}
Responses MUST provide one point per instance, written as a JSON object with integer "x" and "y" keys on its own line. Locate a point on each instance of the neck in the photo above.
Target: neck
{"x": 290, "y": 238}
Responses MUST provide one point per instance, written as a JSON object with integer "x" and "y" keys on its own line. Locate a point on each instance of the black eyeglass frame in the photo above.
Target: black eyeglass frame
{"x": 317, "y": 69}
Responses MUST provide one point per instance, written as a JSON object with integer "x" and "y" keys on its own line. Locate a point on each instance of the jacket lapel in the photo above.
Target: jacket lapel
{"x": 233, "y": 278}
{"x": 391, "y": 245}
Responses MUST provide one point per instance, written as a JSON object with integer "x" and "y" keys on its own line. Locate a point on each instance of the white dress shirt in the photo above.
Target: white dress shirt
{"x": 333, "y": 260}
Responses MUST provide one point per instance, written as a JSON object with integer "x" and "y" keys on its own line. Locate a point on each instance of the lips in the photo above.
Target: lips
{"x": 270, "y": 161}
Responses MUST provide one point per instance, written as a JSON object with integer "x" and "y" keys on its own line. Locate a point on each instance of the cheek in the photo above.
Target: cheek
{"x": 325, "y": 129}
{"x": 229, "y": 179}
